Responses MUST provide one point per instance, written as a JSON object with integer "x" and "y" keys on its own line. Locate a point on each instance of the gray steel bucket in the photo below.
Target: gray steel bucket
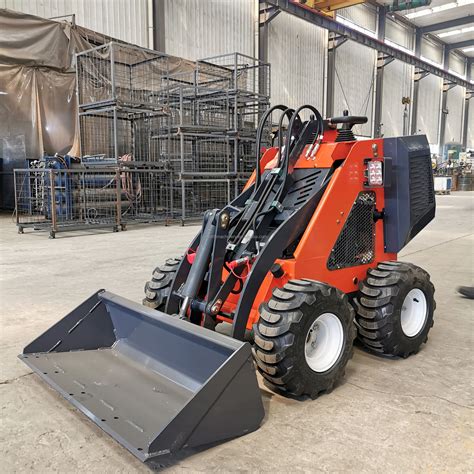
{"x": 155, "y": 383}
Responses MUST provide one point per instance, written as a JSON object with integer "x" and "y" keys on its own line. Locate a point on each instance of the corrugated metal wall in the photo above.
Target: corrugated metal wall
{"x": 354, "y": 83}
{"x": 429, "y": 107}
{"x": 123, "y": 19}
{"x": 296, "y": 52}
{"x": 432, "y": 51}
{"x": 397, "y": 83}
{"x": 470, "y": 128}
{"x": 399, "y": 33}
{"x": 363, "y": 15}
{"x": 199, "y": 29}
{"x": 457, "y": 64}
{"x": 455, "y": 106}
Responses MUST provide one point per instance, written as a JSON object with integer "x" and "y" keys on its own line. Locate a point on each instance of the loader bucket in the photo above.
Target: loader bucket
{"x": 153, "y": 382}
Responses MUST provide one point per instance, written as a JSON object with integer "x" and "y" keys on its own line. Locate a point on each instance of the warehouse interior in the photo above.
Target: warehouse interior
{"x": 269, "y": 191}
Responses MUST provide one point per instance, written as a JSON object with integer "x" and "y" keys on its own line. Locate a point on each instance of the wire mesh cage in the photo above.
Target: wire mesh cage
{"x": 120, "y": 133}
{"x": 66, "y": 199}
{"x": 196, "y": 196}
{"x": 234, "y": 72}
{"x": 122, "y": 74}
{"x": 146, "y": 195}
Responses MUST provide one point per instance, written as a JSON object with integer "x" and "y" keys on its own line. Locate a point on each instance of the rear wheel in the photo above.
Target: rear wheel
{"x": 395, "y": 309}
{"x": 158, "y": 288}
{"x": 304, "y": 338}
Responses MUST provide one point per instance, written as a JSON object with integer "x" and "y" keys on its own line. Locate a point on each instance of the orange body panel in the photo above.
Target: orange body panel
{"x": 311, "y": 255}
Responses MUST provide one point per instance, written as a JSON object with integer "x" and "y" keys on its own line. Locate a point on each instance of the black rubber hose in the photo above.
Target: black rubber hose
{"x": 287, "y": 113}
{"x": 286, "y": 161}
{"x": 261, "y": 125}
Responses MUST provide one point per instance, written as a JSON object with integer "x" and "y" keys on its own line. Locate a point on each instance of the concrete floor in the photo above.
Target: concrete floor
{"x": 386, "y": 416}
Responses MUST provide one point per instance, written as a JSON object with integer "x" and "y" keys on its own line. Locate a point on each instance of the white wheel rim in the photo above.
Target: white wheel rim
{"x": 324, "y": 342}
{"x": 414, "y": 312}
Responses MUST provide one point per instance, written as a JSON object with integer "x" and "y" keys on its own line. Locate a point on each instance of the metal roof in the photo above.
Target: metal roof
{"x": 458, "y": 20}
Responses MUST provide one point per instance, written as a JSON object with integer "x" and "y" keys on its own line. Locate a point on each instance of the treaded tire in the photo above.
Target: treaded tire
{"x": 379, "y": 307}
{"x": 158, "y": 288}
{"x": 281, "y": 333}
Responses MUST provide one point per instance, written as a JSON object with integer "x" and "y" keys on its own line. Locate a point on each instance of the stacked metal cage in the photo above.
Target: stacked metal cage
{"x": 209, "y": 134}
{"x": 196, "y": 121}
{"x": 177, "y": 137}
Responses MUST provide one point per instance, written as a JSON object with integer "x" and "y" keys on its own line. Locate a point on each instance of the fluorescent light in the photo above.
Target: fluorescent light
{"x": 419, "y": 13}
{"x": 468, "y": 50}
{"x": 449, "y": 33}
{"x": 446, "y": 6}
{"x": 440, "y": 8}
{"x": 456, "y": 32}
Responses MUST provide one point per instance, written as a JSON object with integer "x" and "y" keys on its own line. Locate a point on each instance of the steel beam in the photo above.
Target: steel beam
{"x": 461, "y": 44}
{"x": 381, "y": 63}
{"x": 444, "y": 25}
{"x": 323, "y": 21}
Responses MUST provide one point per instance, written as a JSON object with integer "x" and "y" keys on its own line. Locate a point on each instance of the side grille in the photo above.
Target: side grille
{"x": 355, "y": 244}
{"x": 421, "y": 187}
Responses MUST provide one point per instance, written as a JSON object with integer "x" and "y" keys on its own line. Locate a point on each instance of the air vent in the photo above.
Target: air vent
{"x": 356, "y": 242}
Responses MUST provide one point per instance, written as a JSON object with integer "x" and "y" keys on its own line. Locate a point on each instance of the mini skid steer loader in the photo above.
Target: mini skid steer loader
{"x": 304, "y": 259}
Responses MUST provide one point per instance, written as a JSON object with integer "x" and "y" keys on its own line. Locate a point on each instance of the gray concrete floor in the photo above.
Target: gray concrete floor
{"x": 386, "y": 416}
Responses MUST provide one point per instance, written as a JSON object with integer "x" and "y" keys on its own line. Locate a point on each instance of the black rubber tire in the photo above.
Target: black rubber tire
{"x": 379, "y": 305}
{"x": 158, "y": 288}
{"x": 281, "y": 332}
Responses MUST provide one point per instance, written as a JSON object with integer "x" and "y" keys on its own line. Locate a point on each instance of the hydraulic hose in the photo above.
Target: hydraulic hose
{"x": 287, "y": 113}
{"x": 261, "y": 125}
{"x": 286, "y": 160}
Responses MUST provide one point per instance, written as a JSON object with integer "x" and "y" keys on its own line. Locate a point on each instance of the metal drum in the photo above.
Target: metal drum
{"x": 466, "y": 183}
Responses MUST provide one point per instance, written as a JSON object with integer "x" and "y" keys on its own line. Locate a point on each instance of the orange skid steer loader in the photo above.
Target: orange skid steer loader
{"x": 305, "y": 258}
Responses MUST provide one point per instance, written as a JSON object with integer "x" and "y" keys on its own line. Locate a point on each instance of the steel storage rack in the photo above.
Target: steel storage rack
{"x": 161, "y": 139}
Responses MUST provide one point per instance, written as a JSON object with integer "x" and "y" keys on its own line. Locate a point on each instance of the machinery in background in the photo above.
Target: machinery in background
{"x": 305, "y": 257}
{"x": 454, "y": 171}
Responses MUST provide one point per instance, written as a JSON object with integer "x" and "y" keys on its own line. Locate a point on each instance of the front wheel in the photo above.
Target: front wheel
{"x": 158, "y": 288}
{"x": 304, "y": 338}
{"x": 395, "y": 308}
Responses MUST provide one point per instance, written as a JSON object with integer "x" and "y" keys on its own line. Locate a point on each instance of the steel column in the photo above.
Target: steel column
{"x": 331, "y": 68}
{"x": 381, "y": 58}
{"x": 466, "y": 108}
{"x": 444, "y": 101}
{"x": 267, "y": 14}
{"x": 159, "y": 30}
{"x": 416, "y": 84}
{"x": 334, "y": 41}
